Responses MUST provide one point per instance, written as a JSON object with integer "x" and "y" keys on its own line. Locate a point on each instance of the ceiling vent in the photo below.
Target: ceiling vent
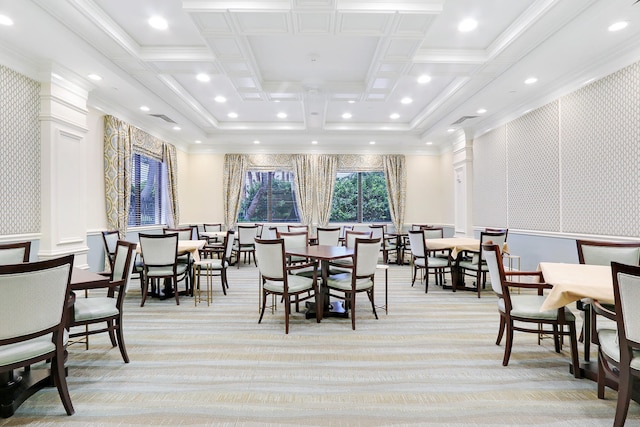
{"x": 462, "y": 119}
{"x": 163, "y": 117}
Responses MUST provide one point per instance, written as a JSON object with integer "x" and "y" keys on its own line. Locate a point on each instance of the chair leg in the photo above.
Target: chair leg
{"x": 112, "y": 335}
{"x": 121, "y": 346}
{"x": 602, "y": 376}
{"x": 352, "y": 307}
{"x": 574, "y": 350}
{"x": 624, "y": 394}
{"x": 223, "y": 278}
{"x": 175, "y": 291}
{"x": 500, "y": 330}
{"x": 507, "y": 346}
{"x": 287, "y": 309}
{"x": 145, "y": 290}
{"x": 478, "y": 277}
{"x": 415, "y": 272}
{"x": 264, "y": 304}
{"x": 426, "y": 280}
{"x": 60, "y": 380}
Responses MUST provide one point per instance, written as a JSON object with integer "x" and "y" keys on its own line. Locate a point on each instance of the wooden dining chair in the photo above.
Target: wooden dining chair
{"x": 328, "y": 236}
{"x": 107, "y": 308}
{"x": 516, "y": 311}
{"x": 245, "y": 243}
{"x": 160, "y": 254}
{"x": 422, "y": 259}
{"x": 473, "y": 263}
{"x": 33, "y": 318}
{"x": 276, "y": 278}
{"x": 15, "y": 253}
{"x": 619, "y": 349}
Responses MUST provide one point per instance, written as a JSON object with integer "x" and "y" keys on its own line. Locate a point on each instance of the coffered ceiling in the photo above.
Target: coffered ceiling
{"x": 344, "y": 72}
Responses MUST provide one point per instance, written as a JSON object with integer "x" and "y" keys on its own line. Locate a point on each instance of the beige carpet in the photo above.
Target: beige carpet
{"x": 431, "y": 361}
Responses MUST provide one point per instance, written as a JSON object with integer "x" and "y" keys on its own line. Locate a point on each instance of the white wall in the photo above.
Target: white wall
{"x": 96, "y": 208}
{"x": 200, "y": 188}
{"x": 424, "y": 190}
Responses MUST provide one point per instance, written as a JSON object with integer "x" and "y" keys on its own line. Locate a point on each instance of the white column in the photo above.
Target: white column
{"x": 63, "y": 125}
{"x": 463, "y": 184}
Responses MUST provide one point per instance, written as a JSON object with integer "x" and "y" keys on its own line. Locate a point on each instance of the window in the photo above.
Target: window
{"x": 268, "y": 197}
{"x": 148, "y": 197}
{"x": 360, "y": 197}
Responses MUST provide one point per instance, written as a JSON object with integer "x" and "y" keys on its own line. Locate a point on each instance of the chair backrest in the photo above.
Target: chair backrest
{"x": 159, "y": 249}
{"x": 270, "y": 257}
{"x": 351, "y": 236}
{"x": 498, "y": 230}
{"x": 344, "y": 230}
{"x": 212, "y": 227}
{"x": 183, "y": 233}
{"x": 603, "y": 253}
{"x": 377, "y": 231}
{"x": 626, "y": 292}
{"x": 496, "y": 270}
{"x": 433, "y": 233}
{"x": 15, "y": 253}
{"x": 328, "y": 236}
{"x": 416, "y": 240}
{"x": 365, "y": 258}
{"x": 361, "y": 227}
{"x": 269, "y": 233}
{"x": 420, "y": 226}
{"x": 109, "y": 239}
{"x": 497, "y": 238}
{"x": 298, "y": 239}
{"x": 247, "y": 234}
{"x": 34, "y": 297}
{"x": 294, "y": 228}
{"x": 228, "y": 245}
{"x": 384, "y": 227}
{"x": 123, "y": 261}
{"x": 195, "y": 233}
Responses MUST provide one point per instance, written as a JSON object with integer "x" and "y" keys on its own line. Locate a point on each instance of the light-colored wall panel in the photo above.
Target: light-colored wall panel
{"x": 94, "y": 141}
{"x": 446, "y": 188}
{"x": 200, "y": 187}
{"x": 424, "y": 192}
{"x": 490, "y": 179}
{"x": 533, "y": 165}
{"x": 600, "y": 156}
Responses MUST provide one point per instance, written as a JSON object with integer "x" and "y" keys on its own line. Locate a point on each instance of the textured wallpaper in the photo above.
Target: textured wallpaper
{"x": 20, "y": 154}
{"x": 572, "y": 166}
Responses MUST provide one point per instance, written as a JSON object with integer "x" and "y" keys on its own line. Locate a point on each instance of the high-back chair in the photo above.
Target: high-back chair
{"x": 245, "y": 243}
{"x": 518, "y": 310}
{"x": 601, "y": 253}
{"x": 107, "y": 309}
{"x": 360, "y": 277}
{"x": 343, "y": 265}
{"x": 498, "y": 230}
{"x": 33, "y": 317}
{"x": 294, "y": 239}
{"x": 109, "y": 240}
{"x": 619, "y": 349}
{"x": 377, "y": 232}
{"x": 160, "y": 253}
{"x": 422, "y": 259}
{"x": 328, "y": 236}
{"x": 472, "y": 263}
{"x": 15, "y": 253}
{"x": 217, "y": 266}
{"x": 297, "y": 228}
{"x": 276, "y": 278}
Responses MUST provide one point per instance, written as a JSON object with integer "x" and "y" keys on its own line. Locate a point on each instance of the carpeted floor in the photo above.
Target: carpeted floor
{"x": 432, "y": 360}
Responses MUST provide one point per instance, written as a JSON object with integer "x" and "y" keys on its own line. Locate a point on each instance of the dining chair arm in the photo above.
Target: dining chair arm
{"x": 601, "y": 310}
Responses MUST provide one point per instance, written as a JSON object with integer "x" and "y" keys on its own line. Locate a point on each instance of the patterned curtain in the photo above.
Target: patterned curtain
{"x": 396, "y": 176}
{"x": 117, "y": 172}
{"x": 235, "y": 167}
{"x": 171, "y": 163}
{"x": 304, "y": 185}
{"x": 325, "y": 182}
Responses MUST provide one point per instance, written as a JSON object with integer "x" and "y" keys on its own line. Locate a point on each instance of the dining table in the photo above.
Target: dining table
{"x": 324, "y": 254}
{"x": 18, "y": 385}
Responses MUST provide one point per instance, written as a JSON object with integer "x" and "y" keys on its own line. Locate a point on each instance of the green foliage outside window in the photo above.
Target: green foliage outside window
{"x": 269, "y": 197}
{"x": 360, "y": 197}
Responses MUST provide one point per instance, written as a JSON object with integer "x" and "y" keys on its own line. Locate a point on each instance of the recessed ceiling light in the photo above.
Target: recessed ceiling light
{"x": 530, "y": 81}
{"x": 158, "y": 22}
{"x": 232, "y": 115}
{"x": 451, "y": 130}
{"x": 481, "y": 111}
{"x": 5, "y": 20}
{"x": 144, "y": 108}
{"x": 372, "y": 142}
{"x": 467, "y": 25}
{"x": 94, "y": 77}
{"x": 429, "y": 143}
{"x": 198, "y": 141}
{"x": 314, "y": 142}
{"x": 176, "y": 128}
{"x": 424, "y": 79}
{"x": 347, "y": 116}
{"x": 588, "y": 81}
{"x": 351, "y": 101}
{"x": 256, "y": 142}
{"x": 220, "y": 99}
{"x": 277, "y": 100}
{"x": 282, "y": 115}
{"x": 394, "y": 116}
{"x": 618, "y": 26}
{"x": 406, "y": 100}
{"x": 203, "y": 77}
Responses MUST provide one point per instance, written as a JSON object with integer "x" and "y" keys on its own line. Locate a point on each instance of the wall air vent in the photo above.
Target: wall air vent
{"x": 163, "y": 117}
{"x": 462, "y": 119}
